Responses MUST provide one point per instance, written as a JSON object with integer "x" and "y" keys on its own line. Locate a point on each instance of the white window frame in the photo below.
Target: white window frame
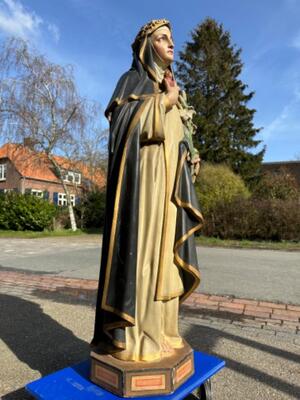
{"x": 77, "y": 178}
{"x": 38, "y": 193}
{"x": 62, "y": 199}
{"x": 3, "y": 172}
{"x": 72, "y": 177}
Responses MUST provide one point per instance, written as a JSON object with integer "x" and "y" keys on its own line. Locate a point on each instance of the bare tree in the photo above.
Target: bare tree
{"x": 39, "y": 100}
{"x": 93, "y": 144}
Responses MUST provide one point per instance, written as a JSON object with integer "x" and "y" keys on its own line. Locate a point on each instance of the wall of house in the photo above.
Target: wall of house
{"x": 13, "y": 178}
{"x": 293, "y": 167}
{"x": 14, "y": 181}
{"x": 50, "y": 187}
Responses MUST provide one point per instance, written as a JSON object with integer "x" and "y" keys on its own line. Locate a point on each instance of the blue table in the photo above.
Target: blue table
{"x": 73, "y": 383}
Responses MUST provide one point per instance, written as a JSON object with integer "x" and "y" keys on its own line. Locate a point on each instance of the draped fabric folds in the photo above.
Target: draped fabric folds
{"x": 138, "y": 113}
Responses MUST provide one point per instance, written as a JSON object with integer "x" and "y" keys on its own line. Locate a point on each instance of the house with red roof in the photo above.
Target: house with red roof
{"x": 24, "y": 170}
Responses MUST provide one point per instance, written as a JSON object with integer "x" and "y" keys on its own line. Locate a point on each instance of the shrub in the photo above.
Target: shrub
{"x": 25, "y": 212}
{"x": 277, "y": 185}
{"x": 91, "y": 211}
{"x": 62, "y": 218}
{"x": 218, "y": 183}
{"x": 255, "y": 219}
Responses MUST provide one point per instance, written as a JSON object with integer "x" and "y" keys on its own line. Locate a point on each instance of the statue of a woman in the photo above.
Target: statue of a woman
{"x": 149, "y": 260}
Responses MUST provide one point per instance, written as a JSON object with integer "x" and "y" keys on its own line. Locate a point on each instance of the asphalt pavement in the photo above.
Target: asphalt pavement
{"x": 270, "y": 275}
{"x": 42, "y": 330}
{"x": 39, "y": 336}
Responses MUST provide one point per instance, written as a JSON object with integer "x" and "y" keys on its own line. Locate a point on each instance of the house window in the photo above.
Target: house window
{"x": 77, "y": 178}
{"x": 62, "y": 199}
{"x": 37, "y": 193}
{"x": 72, "y": 177}
{"x": 2, "y": 172}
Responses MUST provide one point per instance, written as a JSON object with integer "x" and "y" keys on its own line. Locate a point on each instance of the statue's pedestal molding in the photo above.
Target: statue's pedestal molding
{"x": 134, "y": 379}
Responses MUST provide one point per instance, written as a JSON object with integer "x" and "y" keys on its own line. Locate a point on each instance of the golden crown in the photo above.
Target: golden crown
{"x": 148, "y": 28}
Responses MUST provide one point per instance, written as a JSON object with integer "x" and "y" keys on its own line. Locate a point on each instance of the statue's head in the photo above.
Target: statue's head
{"x": 163, "y": 44}
{"x": 154, "y": 42}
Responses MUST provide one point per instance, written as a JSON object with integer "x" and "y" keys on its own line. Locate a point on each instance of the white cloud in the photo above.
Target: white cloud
{"x": 18, "y": 21}
{"x": 54, "y": 30}
{"x": 15, "y": 20}
{"x": 277, "y": 124}
{"x": 287, "y": 123}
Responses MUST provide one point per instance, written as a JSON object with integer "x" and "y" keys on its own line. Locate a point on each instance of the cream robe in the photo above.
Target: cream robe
{"x": 158, "y": 278}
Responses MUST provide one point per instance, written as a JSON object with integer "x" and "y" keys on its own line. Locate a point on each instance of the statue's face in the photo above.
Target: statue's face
{"x": 163, "y": 44}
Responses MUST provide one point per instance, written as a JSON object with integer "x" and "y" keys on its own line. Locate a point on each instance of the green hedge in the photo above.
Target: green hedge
{"x": 230, "y": 211}
{"x": 277, "y": 185}
{"x": 25, "y": 212}
{"x": 218, "y": 183}
{"x": 254, "y": 219}
{"x": 90, "y": 213}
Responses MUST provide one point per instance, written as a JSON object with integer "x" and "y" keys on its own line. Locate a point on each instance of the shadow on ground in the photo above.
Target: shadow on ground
{"x": 36, "y": 339}
{"x": 210, "y": 336}
{"x": 44, "y": 345}
{"x": 26, "y": 271}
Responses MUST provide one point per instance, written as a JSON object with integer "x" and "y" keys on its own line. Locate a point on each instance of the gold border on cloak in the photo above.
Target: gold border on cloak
{"x": 188, "y": 267}
{"x": 158, "y": 294}
{"x": 180, "y": 262}
{"x": 104, "y": 305}
{"x": 114, "y": 325}
{"x": 132, "y": 97}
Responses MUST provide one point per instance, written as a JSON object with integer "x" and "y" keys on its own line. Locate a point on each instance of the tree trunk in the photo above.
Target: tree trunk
{"x": 69, "y": 204}
{"x": 70, "y": 207}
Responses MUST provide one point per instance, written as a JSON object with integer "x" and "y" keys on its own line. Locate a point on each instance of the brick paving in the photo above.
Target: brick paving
{"x": 267, "y": 316}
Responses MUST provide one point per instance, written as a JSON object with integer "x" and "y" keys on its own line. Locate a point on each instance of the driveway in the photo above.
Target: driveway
{"x": 258, "y": 274}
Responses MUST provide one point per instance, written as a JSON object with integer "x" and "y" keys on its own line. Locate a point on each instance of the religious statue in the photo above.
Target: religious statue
{"x": 149, "y": 261}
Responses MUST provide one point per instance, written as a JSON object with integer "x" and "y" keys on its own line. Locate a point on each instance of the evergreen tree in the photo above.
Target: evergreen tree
{"x": 209, "y": 70}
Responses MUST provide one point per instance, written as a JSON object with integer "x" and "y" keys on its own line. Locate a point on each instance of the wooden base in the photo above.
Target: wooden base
{"x": 135, "y": 379}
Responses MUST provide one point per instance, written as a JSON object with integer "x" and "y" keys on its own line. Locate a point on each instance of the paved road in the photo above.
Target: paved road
{"x": 258, "y": 274}
{"x": 259, "y": 365}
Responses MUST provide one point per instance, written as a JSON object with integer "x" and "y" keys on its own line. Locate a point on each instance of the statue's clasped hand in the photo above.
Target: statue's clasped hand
{"x": 172, "y": 88}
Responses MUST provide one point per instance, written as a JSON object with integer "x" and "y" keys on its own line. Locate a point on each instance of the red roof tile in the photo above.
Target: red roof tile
{"x": 36, "y": 165}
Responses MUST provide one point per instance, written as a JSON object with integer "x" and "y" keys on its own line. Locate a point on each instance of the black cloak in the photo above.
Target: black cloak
{"x": 115, "y": 308}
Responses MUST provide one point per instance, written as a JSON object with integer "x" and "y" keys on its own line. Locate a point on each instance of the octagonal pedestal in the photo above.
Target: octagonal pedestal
{"x": 133, "y": 379}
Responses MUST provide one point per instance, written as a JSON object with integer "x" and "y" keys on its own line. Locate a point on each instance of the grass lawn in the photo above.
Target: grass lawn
{"x": 200, "y": 240}
{"x": 247, "y": 244}
{"x": 57, "y": 233}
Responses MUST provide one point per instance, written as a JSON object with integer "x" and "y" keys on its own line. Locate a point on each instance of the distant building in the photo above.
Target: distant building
{"x": 26, "y": 171}
{"x": 293, "y": 167}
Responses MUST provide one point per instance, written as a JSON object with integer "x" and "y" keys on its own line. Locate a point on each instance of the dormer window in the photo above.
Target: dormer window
{"x": 72, "y": 177}
{"x": 77, "y": 178}
{"x": 3, "y": 169}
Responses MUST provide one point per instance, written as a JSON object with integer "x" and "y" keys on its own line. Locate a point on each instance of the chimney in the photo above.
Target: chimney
{"x": 29, "y": 142}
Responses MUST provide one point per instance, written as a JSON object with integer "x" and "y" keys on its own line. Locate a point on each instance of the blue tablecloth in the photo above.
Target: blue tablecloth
{"x": 73, "y": 383}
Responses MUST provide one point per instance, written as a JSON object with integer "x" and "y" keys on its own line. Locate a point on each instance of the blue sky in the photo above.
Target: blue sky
{"x": 95, "y": 37}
